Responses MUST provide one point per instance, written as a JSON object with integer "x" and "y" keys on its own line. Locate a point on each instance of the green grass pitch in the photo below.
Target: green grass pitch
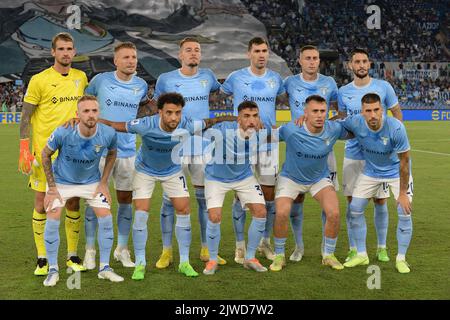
{"x": 428, "y": 254}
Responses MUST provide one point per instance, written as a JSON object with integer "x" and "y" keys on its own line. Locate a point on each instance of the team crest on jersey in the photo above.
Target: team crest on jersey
{"x": 136, "y": 90}
{"x": 98, "y": 147}
{"x": 204, "y": 83}
{"x": 324, "y": 91}
{"x": 327, "y": 142}
{"x": 271, "y": 83}
{"x": 385, "y": 140}
{"x": 76, "y": 82}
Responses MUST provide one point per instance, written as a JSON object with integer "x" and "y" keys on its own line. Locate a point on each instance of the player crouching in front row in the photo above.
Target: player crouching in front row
{"x": 75, "y": 173}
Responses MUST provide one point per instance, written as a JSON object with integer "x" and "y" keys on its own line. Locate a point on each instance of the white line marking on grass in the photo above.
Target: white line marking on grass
{"x": 431, "y": 152}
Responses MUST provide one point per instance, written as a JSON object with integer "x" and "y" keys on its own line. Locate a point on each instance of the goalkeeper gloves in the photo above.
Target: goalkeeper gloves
{"x": 25, "y": 157}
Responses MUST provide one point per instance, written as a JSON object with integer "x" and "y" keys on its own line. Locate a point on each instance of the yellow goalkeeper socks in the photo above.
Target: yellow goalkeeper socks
{"x": 38, "y": 231}
{"x": 72, "y": 224}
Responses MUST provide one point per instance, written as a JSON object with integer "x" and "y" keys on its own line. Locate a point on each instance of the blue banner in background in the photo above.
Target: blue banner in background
{"x": 10, "y": 117}
{"x": 426, "y": 115}
{"x": 408, "y": 115}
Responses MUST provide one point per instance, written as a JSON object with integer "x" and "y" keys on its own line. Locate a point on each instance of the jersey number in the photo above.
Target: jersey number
{"x": 332, "y": 176}
{"x": 102, "y": 196}
{"x": 410, "y": 188}
{"x": 258, "y": 188}
{"x": 184, "y": 182}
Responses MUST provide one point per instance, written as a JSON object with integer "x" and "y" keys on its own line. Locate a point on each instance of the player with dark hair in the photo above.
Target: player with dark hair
{"x": 298, "y": 88}
{"x": 306, "y": 170}
{"x": 236, "y": 148}
{"x": 195, "y": 84}
{"x": 259, "y": 84}
{"x": 349, "y": 103}
{"x": 385, "y": 146}
{"x": 158, "y": 160}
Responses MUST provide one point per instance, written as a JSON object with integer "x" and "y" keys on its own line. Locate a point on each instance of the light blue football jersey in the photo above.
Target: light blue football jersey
{"x": 380, "y": 147}
{"x": 119, "y": 102}
{"x": 263, "y": 90}
{"x": 79, "y": 157}
{"x": 195, "y": 90}
{"x": 232, "y": 156}
{"x": 307, "y": 153}
{"x": 349, "y": 101}
{"x": 154, "y": 157}
{"x": 298, "y": 89}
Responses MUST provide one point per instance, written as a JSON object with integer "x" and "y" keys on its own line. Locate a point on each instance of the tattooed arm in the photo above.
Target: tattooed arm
{"x": 212, "y": 121}
{"x": 147, "y": 108}
{"x": 52, "y": 192}
{"x": 25, "y": 120}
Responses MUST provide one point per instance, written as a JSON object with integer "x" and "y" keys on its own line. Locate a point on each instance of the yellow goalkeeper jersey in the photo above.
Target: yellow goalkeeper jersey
{"x": 56, "y": 99}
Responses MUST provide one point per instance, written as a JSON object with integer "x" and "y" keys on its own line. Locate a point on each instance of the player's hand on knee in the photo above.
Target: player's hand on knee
{"x": 51, "y": 195}
{"x": 103, "y": 190}
{"x": 404, "y": 203}
{"x": 25, "y": 157}
{"x": 72, "y": 122}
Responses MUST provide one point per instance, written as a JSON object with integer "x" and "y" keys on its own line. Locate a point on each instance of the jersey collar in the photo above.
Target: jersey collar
{"x": 362, "y": 87}
{"x": 255, "y": 75}
{"x": 314, "y": 134}
{"x": 307, "y": 81}
{"x": 121, "y": 81}
{"x": 84, "y": 137}
{"x": 188, "y": 77}
{"x": 59, "y": 74}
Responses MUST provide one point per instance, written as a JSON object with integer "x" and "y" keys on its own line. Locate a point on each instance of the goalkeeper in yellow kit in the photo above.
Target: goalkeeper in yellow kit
{"x": 50, "y": 100}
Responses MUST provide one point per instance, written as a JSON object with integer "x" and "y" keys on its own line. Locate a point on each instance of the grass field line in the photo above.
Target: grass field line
{"x": 431, "y": 152}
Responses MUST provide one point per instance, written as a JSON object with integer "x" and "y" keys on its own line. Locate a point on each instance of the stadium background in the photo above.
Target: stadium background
{"x": 411, "y": 51}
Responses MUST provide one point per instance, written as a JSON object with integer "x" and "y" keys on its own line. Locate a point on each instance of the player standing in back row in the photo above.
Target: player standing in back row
{"x": 298, "y": 88}
{"x": 349, "y": 103}
{"x": 195, "y": 85}
{"x": 259, "y": 84}
{"x": 119, "y": 93}
{"x": 50, "y": 100}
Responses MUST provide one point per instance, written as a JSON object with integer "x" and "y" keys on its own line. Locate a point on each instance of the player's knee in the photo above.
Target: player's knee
{"x": 379, "y": 202}
{"x": 402, "y": 214}
{"x": 214, "y": 217}
{"x": 259, "y": 211}
{"x": 140, "y": 220}
{"x": 333, "y": 215}
{"x": 182, "y": 208}
{"x": 282, "y": 213}
{"x": 124, "y": 197}
{"x": 54, "y": 214}
{"x": 358, "y": 205}
{"x": 300, "y": 198}
{"x": 73, "y": 204}
{"x": 269, "y": 192}
{"x": 39, "y": 202}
